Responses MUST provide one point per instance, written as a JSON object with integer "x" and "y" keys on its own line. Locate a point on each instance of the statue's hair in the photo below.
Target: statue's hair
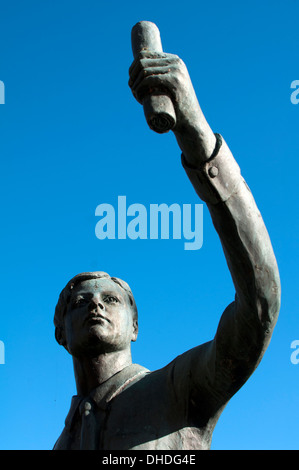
{"x": 66, "y": 293}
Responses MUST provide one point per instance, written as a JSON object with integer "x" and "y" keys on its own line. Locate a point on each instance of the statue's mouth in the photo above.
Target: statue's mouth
{"x": 96, "y": 318}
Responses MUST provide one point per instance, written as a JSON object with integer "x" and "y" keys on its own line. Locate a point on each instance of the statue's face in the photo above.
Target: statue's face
{"x": 98, "y": 319}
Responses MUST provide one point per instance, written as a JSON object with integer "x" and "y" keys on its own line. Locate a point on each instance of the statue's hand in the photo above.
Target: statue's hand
{"x": 167, "y": 74}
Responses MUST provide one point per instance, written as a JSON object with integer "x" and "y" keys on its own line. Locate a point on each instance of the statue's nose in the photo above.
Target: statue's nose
{"x": 96, "y": 303}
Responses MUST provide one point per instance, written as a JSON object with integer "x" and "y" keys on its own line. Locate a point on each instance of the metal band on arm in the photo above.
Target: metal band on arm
{"x": 218, "y": 178}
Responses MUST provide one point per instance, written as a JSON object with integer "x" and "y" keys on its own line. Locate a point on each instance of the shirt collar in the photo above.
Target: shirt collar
{"x": 106, "y": 391}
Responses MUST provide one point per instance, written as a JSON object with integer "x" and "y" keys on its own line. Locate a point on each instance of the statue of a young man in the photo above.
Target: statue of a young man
{"x": 120, "y": 405}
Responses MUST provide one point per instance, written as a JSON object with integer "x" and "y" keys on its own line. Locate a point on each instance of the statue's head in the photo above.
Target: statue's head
{"x": 95, "y": 313}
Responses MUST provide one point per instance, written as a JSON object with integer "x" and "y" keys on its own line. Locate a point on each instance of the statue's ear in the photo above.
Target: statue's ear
{"x": 59, "y": 336}
{"x": 135, "y": 330}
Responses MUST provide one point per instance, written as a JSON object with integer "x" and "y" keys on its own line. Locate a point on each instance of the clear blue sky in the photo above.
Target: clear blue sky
{"x": 73, "y": 137}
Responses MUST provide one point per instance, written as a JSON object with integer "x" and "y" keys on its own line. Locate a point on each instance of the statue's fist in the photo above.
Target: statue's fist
{"x": 164, "y": 74}
{"x": 159, "y": 72}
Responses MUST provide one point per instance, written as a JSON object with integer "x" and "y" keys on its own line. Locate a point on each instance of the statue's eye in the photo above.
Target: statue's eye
{"x": 110, "y": 299}
{"x": 79, "y": 301}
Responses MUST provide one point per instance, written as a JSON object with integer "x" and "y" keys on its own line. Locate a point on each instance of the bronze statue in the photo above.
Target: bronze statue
{"x": 120, "y": 405}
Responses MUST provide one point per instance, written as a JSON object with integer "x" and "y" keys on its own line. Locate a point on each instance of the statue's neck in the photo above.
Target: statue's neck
{"x": 91, "y": 372}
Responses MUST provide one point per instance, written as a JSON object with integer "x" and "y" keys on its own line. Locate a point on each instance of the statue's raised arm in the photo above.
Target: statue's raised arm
{"x": 120, "y": 405}
{"x": 220, "y": 367}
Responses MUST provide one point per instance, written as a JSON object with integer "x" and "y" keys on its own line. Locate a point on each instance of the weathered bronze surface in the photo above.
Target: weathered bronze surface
{"x": 120, "y": 405}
